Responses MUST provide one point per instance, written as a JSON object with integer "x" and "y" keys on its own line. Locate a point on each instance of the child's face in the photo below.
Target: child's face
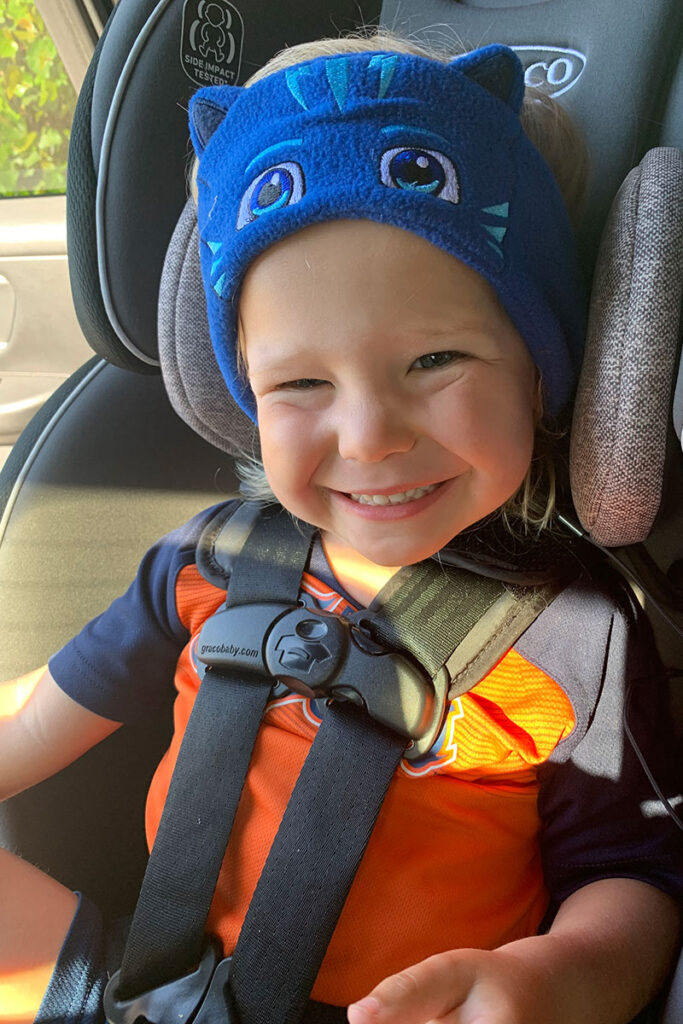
{"x": 381, "y": 364}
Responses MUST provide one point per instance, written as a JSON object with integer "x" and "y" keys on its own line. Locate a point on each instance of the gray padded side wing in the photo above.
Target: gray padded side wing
{"x": 623, "y": 405}
{"x": 193, "y": 381}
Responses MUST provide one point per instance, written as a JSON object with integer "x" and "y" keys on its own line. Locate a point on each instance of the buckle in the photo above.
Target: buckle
{"x": 218, "y": 1007}
{"x": 323, "y": 655}
{"x": 177, "y": 1000}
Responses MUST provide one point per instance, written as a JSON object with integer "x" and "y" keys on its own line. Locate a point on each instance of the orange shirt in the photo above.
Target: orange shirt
{"x": 454, "y": 858}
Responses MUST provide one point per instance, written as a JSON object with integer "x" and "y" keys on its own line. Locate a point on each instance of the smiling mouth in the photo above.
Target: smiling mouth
{"x": 397, "y": 498}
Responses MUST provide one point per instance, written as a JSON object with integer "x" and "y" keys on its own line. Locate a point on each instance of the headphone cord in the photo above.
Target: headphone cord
{"x": 625, "y": 568}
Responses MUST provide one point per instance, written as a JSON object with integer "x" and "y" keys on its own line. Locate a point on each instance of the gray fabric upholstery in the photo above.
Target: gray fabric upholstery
{"x": 191, "y": 375}
{"x": 623, "y": 404}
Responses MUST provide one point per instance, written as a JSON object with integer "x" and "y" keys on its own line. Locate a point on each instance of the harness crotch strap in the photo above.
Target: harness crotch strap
{"x": 386, "y": 676}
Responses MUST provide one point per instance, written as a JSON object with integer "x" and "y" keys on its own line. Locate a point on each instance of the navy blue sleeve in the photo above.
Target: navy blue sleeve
{"x": 602, "y": 817}
{"x": 121, "y": 664}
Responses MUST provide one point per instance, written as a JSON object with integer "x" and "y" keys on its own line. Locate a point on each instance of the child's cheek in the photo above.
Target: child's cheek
{"x": 272, "y": 434}
{"x": 491, "y": 426}
{"x": 288, "y": 448}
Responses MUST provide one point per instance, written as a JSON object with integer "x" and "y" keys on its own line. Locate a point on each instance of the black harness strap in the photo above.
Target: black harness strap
{"x": 271, "y": 561}
{"x": 183, "y": 867}
{"x": 311, "y": 865}
{"x": 167, "y": 933}
{"x": 427, "y": 610}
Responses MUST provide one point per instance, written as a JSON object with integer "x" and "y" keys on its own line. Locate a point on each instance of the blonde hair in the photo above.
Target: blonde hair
{"x": 551, "y": 130}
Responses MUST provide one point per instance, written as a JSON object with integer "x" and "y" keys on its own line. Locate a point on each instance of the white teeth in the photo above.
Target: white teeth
{"x": 400, "y": 498}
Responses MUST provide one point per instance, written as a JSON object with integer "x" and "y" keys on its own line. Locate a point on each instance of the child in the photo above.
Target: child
{"x": 393, "y": 296}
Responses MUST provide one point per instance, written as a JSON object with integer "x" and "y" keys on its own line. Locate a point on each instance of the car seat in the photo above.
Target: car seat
{"x": 108, "y": 465}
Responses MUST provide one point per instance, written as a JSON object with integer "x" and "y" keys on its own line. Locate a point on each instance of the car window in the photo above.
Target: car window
{"x": 41, "y": 343}
{"x": 37, "y": 102}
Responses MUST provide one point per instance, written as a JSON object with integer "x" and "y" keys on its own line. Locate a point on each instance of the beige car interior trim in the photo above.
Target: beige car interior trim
{"x": 64, "y": 21}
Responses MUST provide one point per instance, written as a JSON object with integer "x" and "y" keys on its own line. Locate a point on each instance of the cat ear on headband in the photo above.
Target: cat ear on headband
{"x": 208, "y": 107}
{"x": 498, "y": 70}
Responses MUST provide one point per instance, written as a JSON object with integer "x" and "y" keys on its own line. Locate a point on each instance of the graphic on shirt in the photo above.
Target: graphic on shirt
{"x": 303, "y": 715}
{"x": 303, "y": 706}
{"x": 445, "y": 749}
{"x": 315, "y": 594}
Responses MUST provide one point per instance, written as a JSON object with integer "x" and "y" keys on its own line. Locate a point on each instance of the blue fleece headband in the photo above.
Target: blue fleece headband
{"x": 436, "y": 149}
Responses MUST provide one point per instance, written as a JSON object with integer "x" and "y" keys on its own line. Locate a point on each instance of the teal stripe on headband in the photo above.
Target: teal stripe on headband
{"x": 338, "y": 77}
{"x": 412, "y": 130}
{"x": 387, "y": 66}
{"x": 292, "y": 76}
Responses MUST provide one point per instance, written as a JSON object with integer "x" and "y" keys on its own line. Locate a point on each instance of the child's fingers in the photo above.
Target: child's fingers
{"x": 429, "y": 991}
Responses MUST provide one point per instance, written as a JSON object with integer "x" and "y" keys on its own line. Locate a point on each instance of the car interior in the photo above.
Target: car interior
{"x": 118, "y": 455}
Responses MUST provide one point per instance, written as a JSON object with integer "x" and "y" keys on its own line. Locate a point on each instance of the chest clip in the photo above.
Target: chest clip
{"x": 324, "y": 656}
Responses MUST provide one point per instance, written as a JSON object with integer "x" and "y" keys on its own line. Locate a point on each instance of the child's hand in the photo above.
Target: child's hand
{"x": 464, "y": 986}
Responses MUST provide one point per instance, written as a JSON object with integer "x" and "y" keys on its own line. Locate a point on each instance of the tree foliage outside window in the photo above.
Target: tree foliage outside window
{"x": 37, "y": 103}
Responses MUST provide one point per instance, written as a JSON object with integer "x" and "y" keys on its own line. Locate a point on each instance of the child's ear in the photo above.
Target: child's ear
{"x": 498, "y": 70}
{"x": 208, "y": 107}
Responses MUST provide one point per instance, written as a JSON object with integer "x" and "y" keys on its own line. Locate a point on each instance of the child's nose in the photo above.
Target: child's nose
{"x": 371, "y": 429}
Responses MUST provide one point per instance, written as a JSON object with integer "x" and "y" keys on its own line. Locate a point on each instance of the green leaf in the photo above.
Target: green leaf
{"x": 26, "y": 143}
{"x": 39, "y": 55}
{"x": 50, "y": 138}
{"x": 8, "y": 47}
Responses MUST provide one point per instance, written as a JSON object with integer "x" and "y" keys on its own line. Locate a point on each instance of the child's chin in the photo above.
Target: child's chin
{"x": 392, "y": 552}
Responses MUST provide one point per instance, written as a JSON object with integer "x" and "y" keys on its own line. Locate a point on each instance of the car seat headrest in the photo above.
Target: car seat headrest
{"x": 130, "y": 147}
{"x": 193, "y": 381}
{"x": 130, "y": 150}
{"x": 622, "y": 411}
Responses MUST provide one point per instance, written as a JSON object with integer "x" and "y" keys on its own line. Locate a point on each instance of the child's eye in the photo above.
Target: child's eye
{"x": 302, "y": 384}
{"x": 420, "y": 170}
{"x": 278, "y": 186}
{"x": 435, "y": 359}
